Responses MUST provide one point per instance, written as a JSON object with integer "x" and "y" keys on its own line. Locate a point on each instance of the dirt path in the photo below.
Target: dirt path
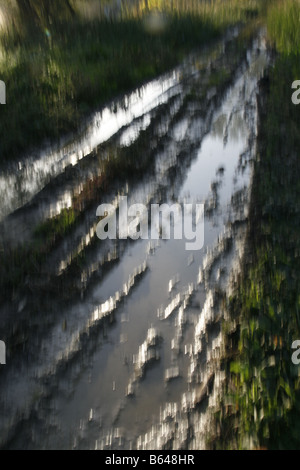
{"x": 115, "y": 344}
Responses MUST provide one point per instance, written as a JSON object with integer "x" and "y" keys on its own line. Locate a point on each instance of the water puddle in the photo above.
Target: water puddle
{"x": 132, "y": 362}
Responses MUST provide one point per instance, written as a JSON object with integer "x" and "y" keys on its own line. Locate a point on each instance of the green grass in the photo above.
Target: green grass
{"x": 283, "y": 22}
{"x": 53, "y": 81}
{"x": 262, "y": 404}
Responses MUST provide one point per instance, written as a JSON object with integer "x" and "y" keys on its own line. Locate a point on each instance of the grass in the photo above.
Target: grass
{"x": 283, "y": 26}
{"x": 261, "y": 408}
{"x": 55, "y": 76}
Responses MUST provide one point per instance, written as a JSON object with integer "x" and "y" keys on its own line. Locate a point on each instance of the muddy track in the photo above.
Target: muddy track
{"x": 116, "y": 344}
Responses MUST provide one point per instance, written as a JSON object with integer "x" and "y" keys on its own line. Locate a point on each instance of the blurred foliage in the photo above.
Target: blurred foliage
{"x": 283, "y": 23}
{"x": 262, "y": 406}
{"x": 59, "y": 65}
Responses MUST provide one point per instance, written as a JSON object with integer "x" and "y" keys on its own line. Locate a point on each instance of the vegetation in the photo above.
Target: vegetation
{"x": 58, "y": 68}
{"x": 262, "y": 405}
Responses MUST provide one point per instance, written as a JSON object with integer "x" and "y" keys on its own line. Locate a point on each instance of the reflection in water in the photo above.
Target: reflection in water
{"x": 30, "y": 176}
{"x": 131, "y": 359}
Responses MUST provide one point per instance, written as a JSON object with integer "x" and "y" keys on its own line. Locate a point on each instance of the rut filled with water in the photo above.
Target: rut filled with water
{"x": 121, "y": 339}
